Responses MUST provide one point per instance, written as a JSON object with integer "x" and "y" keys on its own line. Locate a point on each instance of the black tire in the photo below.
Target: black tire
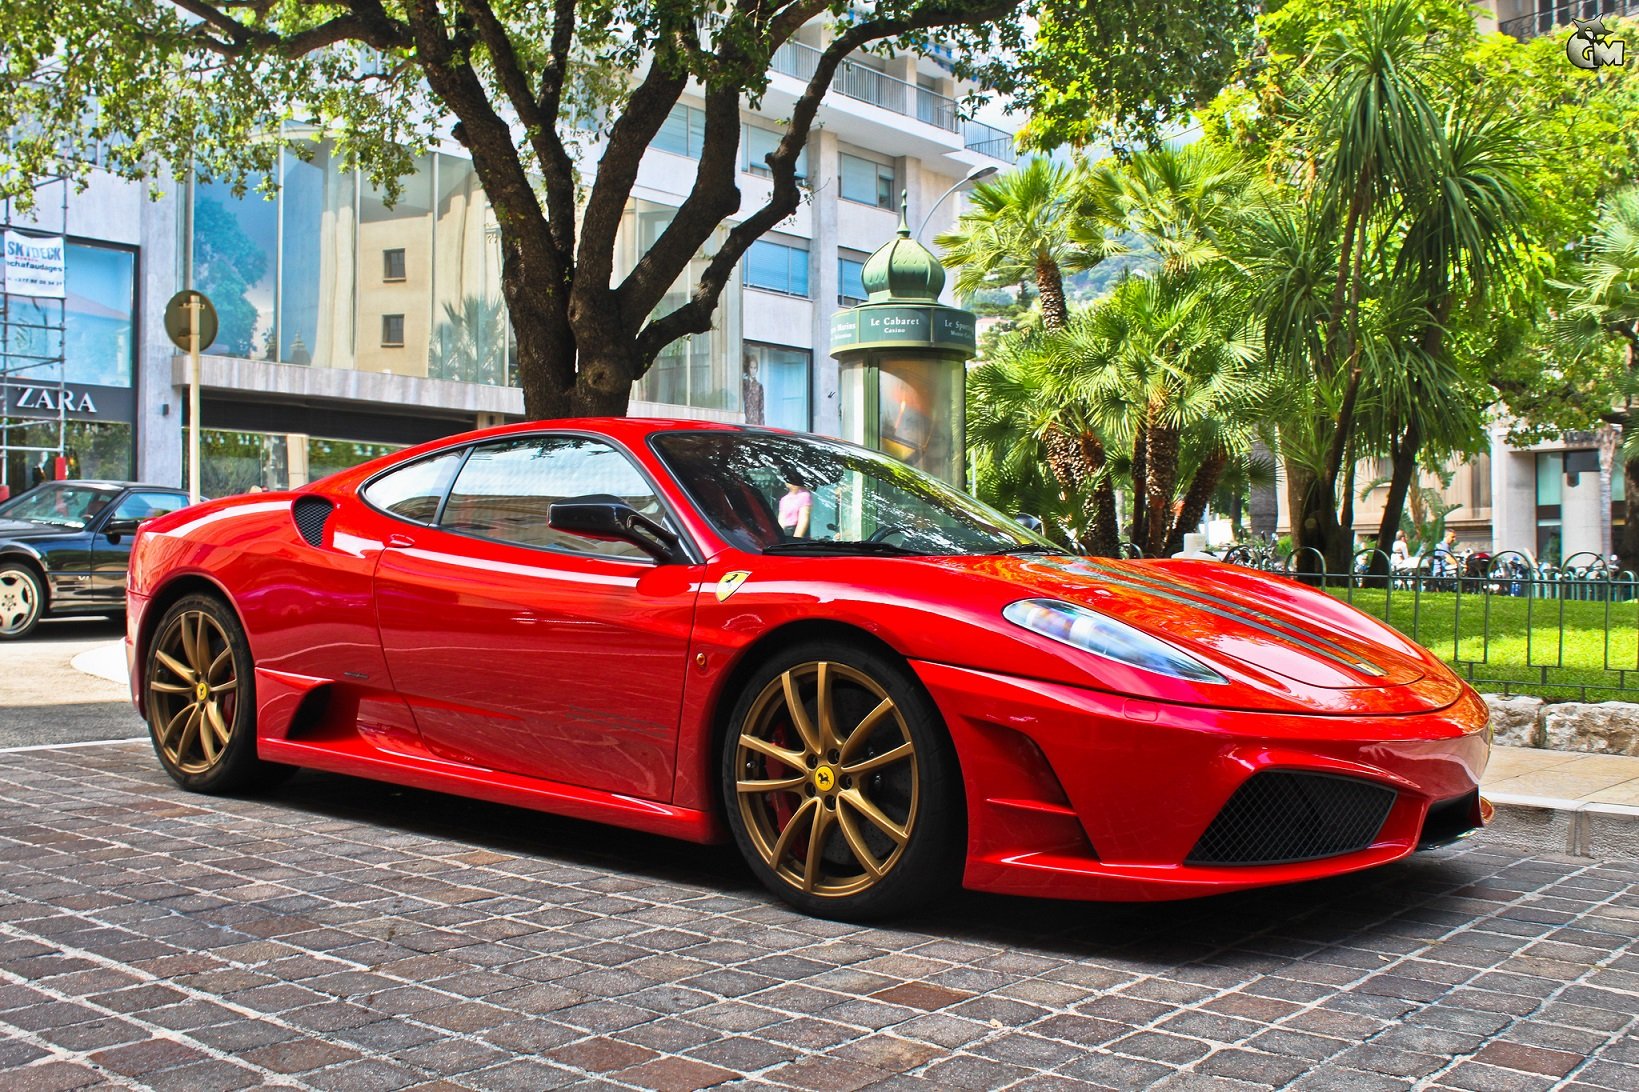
{"x": 22, "y": 600}
{"x": 195, "y": 693}
{"x": 902, "y": 815}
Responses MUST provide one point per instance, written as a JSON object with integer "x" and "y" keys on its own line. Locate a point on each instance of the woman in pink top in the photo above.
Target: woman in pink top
{"x": 795, "y": 507}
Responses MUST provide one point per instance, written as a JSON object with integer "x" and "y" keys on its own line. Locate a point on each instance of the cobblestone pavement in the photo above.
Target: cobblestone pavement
{"x": 341, "y": 934}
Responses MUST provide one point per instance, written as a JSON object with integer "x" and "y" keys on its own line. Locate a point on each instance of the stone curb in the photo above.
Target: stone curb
{"x": 1577, "y": 828}
{"x": 104, "y": 662}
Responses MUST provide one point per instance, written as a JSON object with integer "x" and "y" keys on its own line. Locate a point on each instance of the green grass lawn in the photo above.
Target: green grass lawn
{"x": 1567, "y": 650}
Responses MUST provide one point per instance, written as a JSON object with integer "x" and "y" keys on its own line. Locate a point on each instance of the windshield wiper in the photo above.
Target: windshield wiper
{"x": 828, "y": 546}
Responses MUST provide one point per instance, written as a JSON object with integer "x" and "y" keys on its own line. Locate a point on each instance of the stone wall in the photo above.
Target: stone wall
{"x": 1607, "y": 727}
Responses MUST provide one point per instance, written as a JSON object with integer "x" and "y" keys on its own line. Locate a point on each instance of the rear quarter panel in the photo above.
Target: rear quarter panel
{"x": 307, "y": 611}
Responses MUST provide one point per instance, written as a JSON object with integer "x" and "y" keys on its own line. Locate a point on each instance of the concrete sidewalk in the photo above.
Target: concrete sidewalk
{"x": 1586, "y": 805}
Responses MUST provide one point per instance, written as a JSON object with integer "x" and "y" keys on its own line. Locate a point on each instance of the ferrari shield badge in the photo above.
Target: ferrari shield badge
{"x": 729, "y": 583}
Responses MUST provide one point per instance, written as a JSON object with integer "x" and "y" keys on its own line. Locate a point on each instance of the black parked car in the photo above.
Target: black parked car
{"x": 64, "y": 547}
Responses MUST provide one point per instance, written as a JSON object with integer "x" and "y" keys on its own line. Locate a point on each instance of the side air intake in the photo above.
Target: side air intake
{"x": 311, "y": 514}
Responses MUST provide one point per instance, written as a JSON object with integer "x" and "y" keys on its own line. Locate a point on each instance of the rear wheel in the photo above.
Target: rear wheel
{"x": 22, "y": 600}
{"x": 841, "y": 785}
{"x": 201, "y": 699}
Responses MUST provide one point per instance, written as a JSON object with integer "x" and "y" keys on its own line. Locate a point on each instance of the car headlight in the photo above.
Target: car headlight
{"x": 1092, "y": 632}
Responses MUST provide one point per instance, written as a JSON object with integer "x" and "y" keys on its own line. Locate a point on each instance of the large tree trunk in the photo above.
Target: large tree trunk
{"x": 1404, "y": 452}
{"x": 1315, "y": 530}
{"x": 1199, "y": 496}
{"x": 1162, "y": 481}
{"x": 1135, "y": 527}
{"x": 1050, "y": 283}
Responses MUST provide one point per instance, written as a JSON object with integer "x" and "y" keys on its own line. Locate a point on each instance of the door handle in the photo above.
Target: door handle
{"x": 400, "y": 541}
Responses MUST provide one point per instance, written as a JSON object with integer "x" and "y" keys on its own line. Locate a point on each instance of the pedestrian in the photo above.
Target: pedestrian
{"x": 796, "y": 506}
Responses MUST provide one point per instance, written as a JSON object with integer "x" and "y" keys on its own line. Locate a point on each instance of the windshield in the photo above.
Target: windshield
{"x": 59, "y": 505}
{"x": 773, "y": 493}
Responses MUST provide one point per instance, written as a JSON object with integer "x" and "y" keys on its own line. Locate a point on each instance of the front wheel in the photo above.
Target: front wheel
{"x": 22, "y": 600}
{"x": 841, "y": 785}
{"x": 200, "y": 699}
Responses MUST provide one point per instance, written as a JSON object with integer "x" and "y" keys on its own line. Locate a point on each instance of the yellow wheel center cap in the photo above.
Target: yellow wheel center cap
{"x": 825, "y": 779}
{"x": 202, "y": 691}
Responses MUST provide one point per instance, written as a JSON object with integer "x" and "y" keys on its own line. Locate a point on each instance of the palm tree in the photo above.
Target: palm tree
{"x": 1374, "y": 137}
{"x": 1603, "y": 306}
{"x": 1179, "y": 200}
{"x": 1169, "y": 375}
{"x": 1018, "y": 230}
{"x": 1460, "y": 240}
{"x": 1034, "y": 444}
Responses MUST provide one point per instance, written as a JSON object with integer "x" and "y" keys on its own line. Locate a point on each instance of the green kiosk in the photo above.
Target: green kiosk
{"x": 903, "y": 355}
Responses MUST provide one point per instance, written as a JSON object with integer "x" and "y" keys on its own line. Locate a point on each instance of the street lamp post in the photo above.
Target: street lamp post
{"x": 977, "y": 174}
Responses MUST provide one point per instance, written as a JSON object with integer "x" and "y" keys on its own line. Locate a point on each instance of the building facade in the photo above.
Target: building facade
{"x": 351, "y": 324}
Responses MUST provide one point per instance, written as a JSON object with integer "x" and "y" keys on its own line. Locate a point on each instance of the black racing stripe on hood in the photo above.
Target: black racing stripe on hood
{"x": 1233, "y": 611}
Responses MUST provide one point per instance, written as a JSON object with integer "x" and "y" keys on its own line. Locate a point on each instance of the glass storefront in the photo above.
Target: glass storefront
{"x": 776, "y": 386}
{"x": 92, "y": 331}
{"x": 329, "y": 274}
{"x": 244, "y": 462}
{"x": 91, "y": 449}
{"x": 335, "y": 272}
{"x": 697, "y": 371}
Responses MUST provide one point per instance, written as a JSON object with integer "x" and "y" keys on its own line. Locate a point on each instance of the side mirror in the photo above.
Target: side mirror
{"x": 115, "y": 528}
{"x": 600, "y": 515}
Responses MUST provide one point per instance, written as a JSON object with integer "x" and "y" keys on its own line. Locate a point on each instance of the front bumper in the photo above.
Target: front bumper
{"x": 1078, "y": 794}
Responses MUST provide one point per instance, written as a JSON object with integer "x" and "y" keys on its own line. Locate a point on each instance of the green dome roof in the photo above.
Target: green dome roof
{"x": 904, "y": 269}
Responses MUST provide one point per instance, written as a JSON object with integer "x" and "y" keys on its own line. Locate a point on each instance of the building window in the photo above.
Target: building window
{"x": 683, "y": 132}
{"x": 1480, "y": 481}
{"x": 392, "y": 331}
{"x": 776, "y": 386}
{"x": 867, "y": 181}
{"x": 850, "y": 279}
{"x": 392, "y": 264}
{"x": 777, "y": 267}
{"x": 701, "y": 371}
{"x": 758, "y": 144}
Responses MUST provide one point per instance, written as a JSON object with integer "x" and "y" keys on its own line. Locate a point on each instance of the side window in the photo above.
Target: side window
{"x": 506, "y": 489}
{"x": 414, "y": 491}
{"x": 141, "y": 506}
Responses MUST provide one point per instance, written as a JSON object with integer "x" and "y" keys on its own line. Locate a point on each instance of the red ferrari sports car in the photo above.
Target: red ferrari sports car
{"x": 875, "y": 685}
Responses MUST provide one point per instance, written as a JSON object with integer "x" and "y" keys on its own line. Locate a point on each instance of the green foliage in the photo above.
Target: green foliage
{"x": 147, "y": 88}
{"x": 1124, "y": 73}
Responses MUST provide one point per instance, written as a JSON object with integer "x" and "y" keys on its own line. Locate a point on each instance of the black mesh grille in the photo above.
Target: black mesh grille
{"x": 311, "y": 514}
{"x": 1280, "y": 816}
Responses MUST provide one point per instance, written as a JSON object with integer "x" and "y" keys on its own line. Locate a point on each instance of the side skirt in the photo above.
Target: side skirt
{"x": 356, "y": 758}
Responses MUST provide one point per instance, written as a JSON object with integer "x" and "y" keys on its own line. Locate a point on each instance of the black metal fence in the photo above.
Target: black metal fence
{"x": 1503, "y": 621}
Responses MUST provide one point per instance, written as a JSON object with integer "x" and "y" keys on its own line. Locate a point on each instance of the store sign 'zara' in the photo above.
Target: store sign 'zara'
{"x": 79, "y": 402}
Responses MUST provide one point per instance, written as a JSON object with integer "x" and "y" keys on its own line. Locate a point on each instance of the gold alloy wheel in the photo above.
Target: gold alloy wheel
{"x": 826, "y": 778}
{"x": 193, "y": 692}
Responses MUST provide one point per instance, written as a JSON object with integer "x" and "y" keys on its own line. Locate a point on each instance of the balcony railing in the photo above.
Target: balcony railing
{"x": 988, "y": 140}
{"x": 867, "y": 84}
{"x": 1548, "y": 16}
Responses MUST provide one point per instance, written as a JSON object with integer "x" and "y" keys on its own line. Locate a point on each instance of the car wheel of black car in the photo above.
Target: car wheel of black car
{"x": 200, "y": 699}
{"x": 841, "y": 785}
{"x": 22, "y": 600}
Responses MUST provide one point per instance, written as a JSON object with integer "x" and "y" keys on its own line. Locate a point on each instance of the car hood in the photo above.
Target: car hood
{"x": 1279, "y": 643}
{"x": 22, "y": 528}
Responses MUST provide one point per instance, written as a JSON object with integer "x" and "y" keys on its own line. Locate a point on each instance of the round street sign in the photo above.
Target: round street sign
{"x": 178, "y": 322}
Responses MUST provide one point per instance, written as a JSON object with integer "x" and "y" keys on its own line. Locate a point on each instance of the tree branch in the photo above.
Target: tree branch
{"x": 539, "y": 124}
{"x": 694, "y": 317}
